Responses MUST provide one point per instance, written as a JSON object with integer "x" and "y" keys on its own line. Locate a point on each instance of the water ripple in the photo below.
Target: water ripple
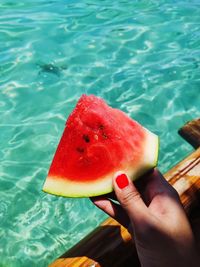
{"x": 142, "y": 57}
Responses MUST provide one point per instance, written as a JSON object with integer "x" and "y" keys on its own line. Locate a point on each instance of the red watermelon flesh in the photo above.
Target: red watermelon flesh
{"x": 98, "y": 141}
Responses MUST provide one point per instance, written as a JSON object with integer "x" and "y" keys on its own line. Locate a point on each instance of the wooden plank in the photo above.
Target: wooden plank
{"x": 191, "y": 132}
{"x": 185, "y": 178}
{"x": 111, "y": 244}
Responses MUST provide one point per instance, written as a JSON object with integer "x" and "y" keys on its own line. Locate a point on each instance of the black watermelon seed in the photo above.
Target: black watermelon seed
{"x": 86, "y": 138}
{"x": 104, "y": 136}
{"x": 80, "y": 149}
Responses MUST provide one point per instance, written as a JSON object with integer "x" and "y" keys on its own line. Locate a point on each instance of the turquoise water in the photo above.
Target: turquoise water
{"x": 141, "y": 56}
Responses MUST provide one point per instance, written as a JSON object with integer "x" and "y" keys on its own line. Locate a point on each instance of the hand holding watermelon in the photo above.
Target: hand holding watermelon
{"x": 155, "y": 216}
{"x": 97, "y": 142}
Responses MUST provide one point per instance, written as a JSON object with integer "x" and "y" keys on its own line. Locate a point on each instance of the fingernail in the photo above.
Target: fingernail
{"x": 122, "y": 181}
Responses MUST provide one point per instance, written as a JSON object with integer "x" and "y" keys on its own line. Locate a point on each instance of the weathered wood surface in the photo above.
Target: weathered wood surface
{"x": 110, "y": 245}
{"x": 191, "y": 132}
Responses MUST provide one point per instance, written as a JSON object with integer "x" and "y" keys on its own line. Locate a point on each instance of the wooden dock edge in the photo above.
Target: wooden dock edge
{"x": 110, "y": 244}
{"x": 190, "y": 132}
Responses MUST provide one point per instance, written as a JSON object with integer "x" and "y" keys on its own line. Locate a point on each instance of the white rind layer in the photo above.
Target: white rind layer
{"x": 69, "y": 188}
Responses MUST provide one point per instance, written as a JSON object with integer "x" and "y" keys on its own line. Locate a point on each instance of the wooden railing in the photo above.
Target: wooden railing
{"x": 110, "y": 245}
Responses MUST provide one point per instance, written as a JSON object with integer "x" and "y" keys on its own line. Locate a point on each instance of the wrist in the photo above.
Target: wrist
{"x": 191, "y": 259}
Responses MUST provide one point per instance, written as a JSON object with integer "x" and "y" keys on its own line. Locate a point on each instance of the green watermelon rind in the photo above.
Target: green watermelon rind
{"x": 61, "y": 187}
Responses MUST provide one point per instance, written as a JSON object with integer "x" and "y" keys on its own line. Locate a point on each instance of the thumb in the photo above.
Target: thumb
{"x": 129, "y": 197}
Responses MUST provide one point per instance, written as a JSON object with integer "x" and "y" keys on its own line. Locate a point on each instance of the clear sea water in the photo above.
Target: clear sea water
{"x": 140, "y": 56}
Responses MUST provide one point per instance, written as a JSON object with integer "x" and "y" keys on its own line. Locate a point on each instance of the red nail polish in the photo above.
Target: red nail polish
{"x": 122, "y": 181}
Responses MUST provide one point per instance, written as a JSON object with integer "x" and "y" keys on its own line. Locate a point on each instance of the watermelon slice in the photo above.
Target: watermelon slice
{"x": 98, "y": 141}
